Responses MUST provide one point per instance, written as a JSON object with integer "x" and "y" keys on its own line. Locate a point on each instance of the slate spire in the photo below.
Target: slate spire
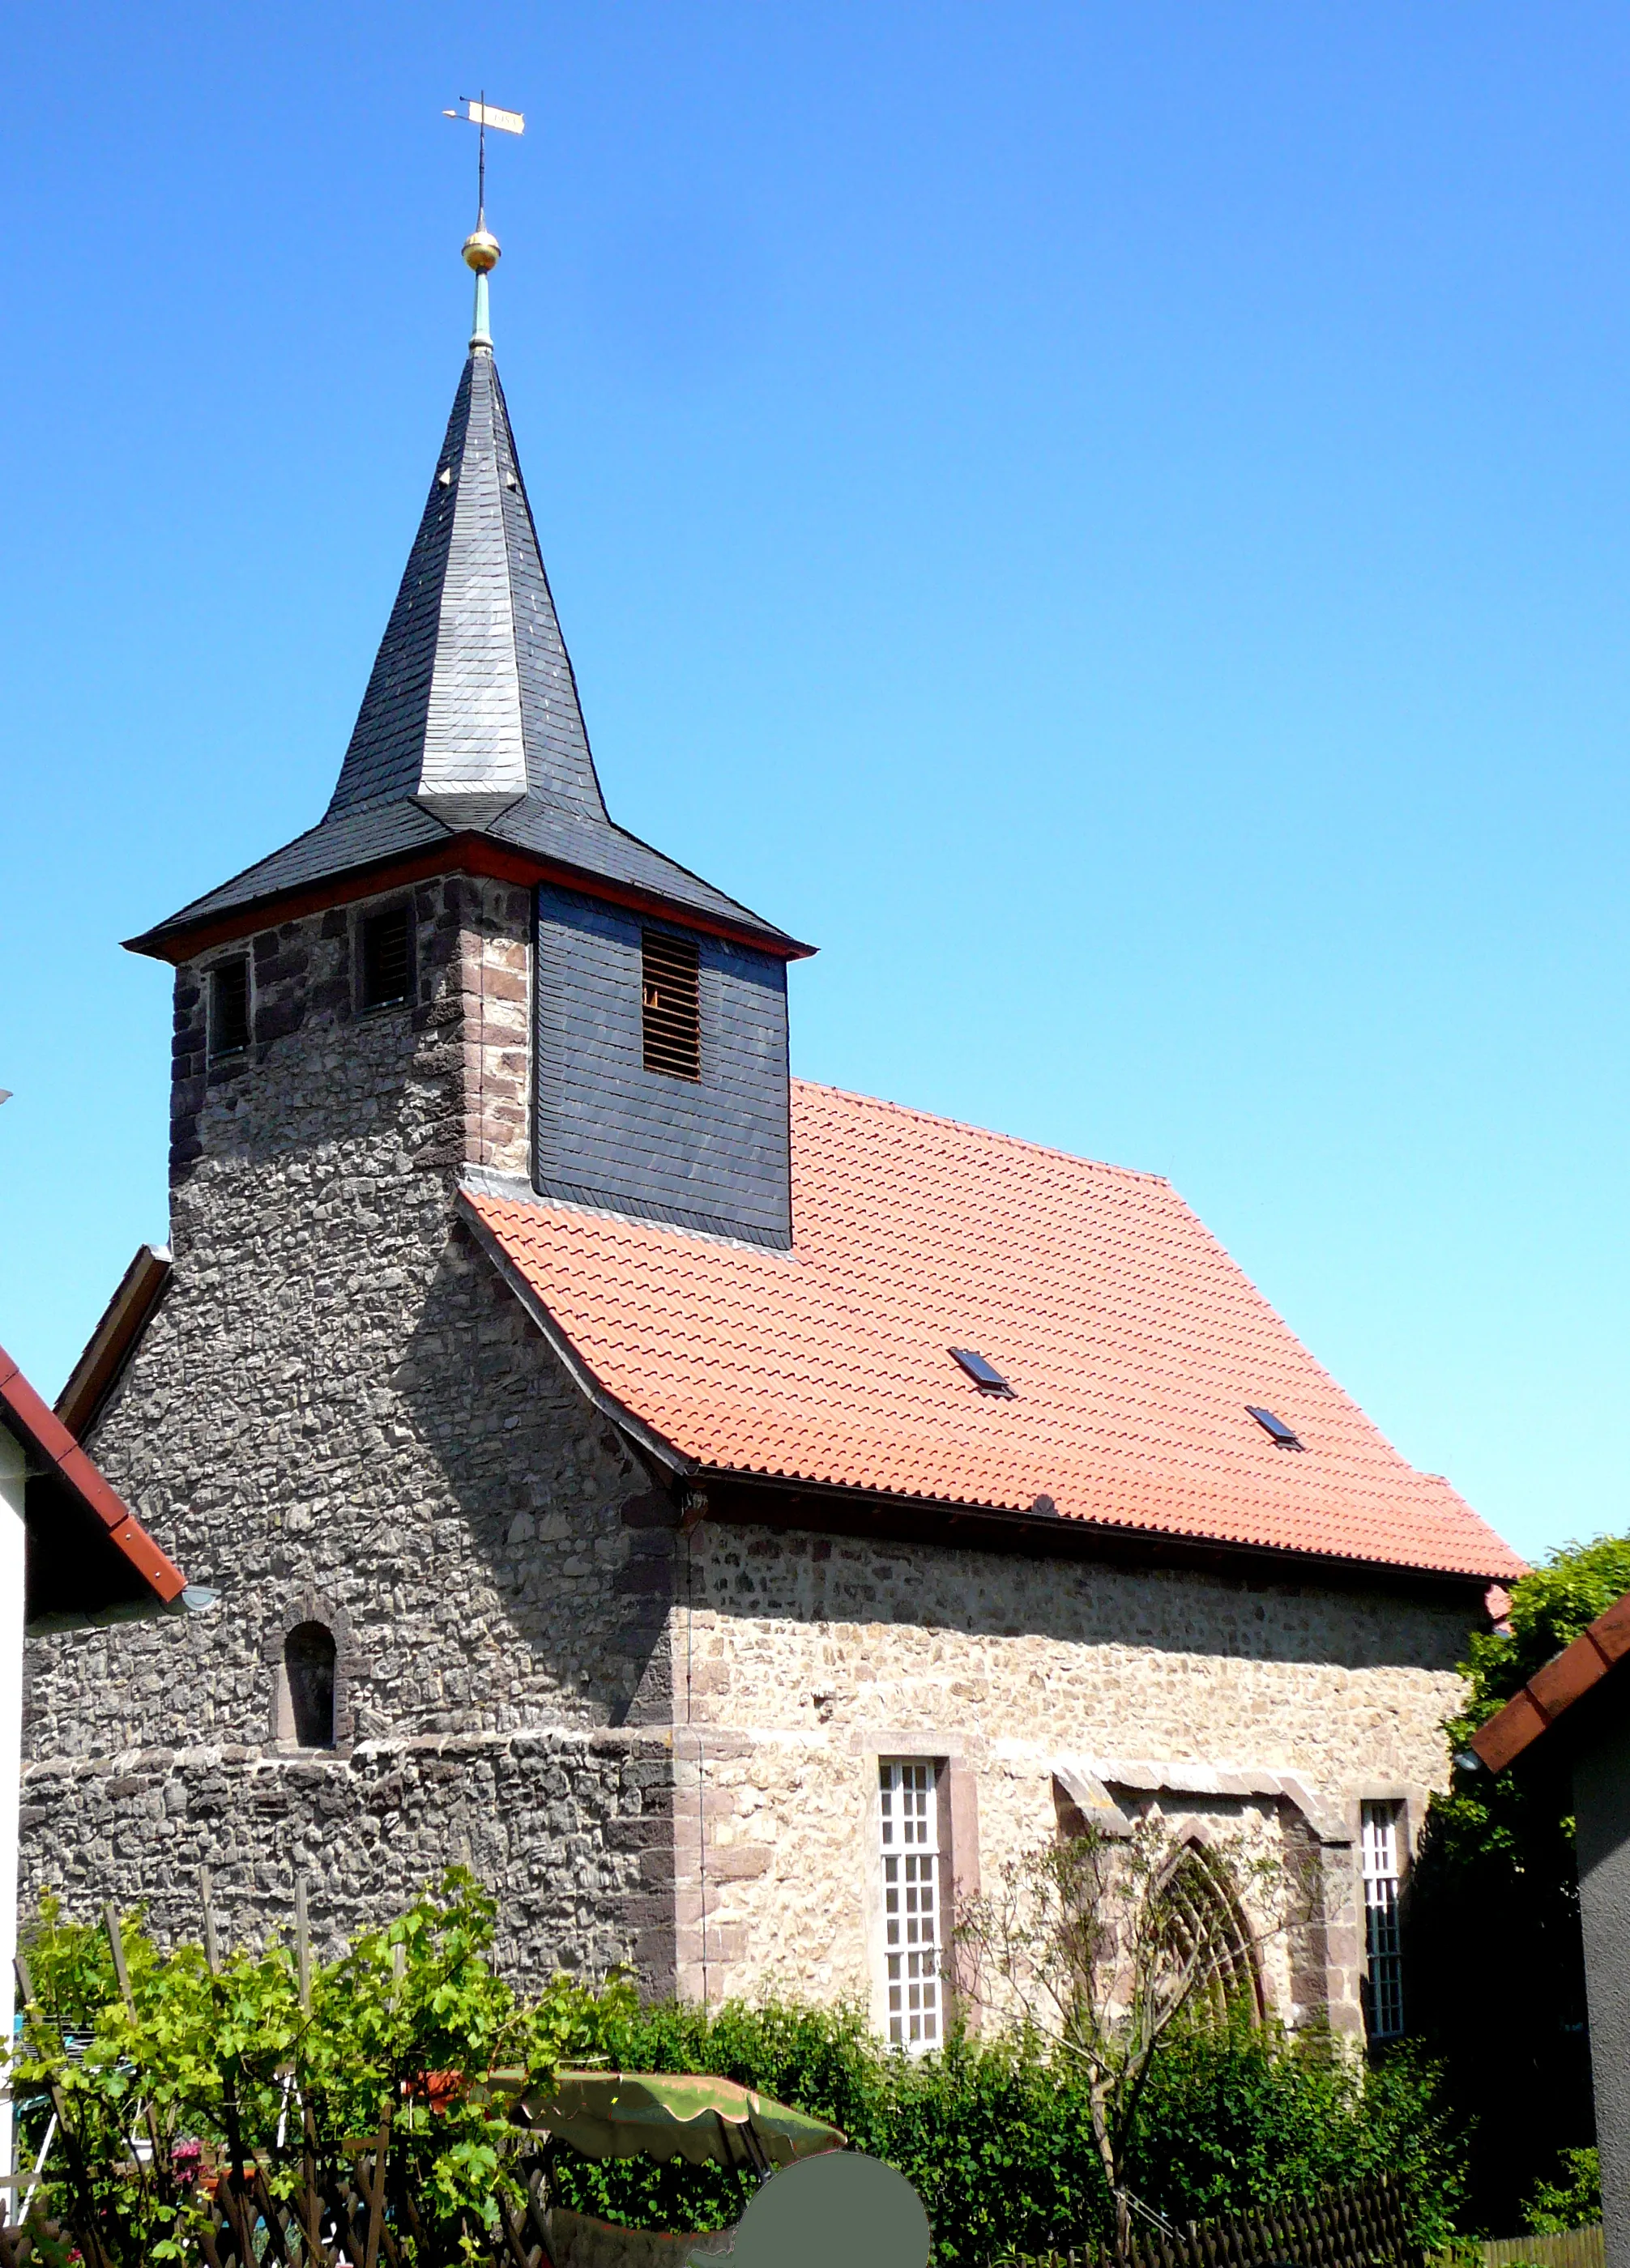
{"x": 472, "y": 706}
{"x": 470, "y": 733}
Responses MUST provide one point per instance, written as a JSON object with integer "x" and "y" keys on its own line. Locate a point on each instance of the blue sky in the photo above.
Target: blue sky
{"x": 1112, "y": 521}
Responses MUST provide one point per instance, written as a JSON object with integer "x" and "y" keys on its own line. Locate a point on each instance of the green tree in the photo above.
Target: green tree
{"x": 1108, "y": 1945}
{"x": 1497, "y": 1969}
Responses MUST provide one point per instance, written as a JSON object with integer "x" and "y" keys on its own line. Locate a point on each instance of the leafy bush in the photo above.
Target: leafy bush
{"x": 1262, "y": 2117}
{"x": 998, "y": 2138}
{"x": 204, "y": 2069}
{"x": 1573, "y": 2202}
{"x": 995, "y": 2133}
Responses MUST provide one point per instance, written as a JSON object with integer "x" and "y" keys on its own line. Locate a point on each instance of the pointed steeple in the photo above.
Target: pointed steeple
{"x": 470, "y": 725}
{"x": 471, "y": 707}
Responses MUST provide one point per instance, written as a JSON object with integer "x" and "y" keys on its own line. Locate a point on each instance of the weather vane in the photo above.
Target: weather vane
{"x": 481, "y": 249}
{"x": 478, "y": 111}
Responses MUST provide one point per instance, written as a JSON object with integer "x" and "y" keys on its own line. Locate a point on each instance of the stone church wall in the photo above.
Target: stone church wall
{"x": 340, "y": 1414}
{"x": 572, "y": 1831}
{"x": 650, "y": 1748}
{"x": 807, "y": 1659}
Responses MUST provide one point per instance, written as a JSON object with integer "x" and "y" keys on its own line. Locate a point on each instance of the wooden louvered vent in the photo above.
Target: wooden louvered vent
{"x": 670, "y": 1005}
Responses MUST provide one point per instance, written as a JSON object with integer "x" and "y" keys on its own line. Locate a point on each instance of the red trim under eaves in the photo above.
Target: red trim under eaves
{"x": 466, "y": 853}
{"x": 39, "y": 1429}
{"x": 1551, "y": 1691}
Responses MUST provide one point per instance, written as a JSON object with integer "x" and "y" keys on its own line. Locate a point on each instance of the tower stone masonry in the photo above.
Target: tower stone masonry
{"x": 583, "y": 1398}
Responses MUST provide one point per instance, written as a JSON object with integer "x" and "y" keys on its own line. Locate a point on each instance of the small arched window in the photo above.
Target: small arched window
{"x": 308, "y": 1654}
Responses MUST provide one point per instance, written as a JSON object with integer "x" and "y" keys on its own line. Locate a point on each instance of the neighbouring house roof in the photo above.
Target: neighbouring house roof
{"x": 115, "y": 1338}
{"x": 1551, "y": 1691}
{"x": 89, "y": 1559}
{"x": 1135, "y": 1348}
{"x": 469, "y": 748}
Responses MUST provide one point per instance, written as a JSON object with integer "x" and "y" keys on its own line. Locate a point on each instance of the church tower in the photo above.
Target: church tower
{"x": 650, "y": 1075}
{"x": 446, "y": 1578}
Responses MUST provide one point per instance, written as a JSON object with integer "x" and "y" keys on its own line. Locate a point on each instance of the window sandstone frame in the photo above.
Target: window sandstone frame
{"x": 911, "y": 1946}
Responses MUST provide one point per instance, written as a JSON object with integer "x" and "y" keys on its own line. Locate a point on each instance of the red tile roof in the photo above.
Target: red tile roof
{"x": 1551, "y": 1691}
{"x": 39, "y": 1429}
{"x": 1132, "y": 1342}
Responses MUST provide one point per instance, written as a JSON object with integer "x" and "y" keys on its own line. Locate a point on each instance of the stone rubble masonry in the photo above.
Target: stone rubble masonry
{"x": 572, "y": 1828}
{"x": 651, "y": 1747}
{"x": 809, "y": 1658}
{"x": 339, "y": 1411}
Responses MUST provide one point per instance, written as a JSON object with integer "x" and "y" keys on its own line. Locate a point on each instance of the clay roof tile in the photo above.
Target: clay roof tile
{"x": 1132, "y": 1342}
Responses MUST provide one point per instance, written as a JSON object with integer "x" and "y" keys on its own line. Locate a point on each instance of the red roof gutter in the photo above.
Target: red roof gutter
{"x": 1551, "y": 1691}
{"x": 51, "y": 1447}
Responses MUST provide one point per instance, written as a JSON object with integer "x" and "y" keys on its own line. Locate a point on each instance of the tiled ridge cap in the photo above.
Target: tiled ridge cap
{"x": 46, "y": 1434}
{"x": 984, "y": 1133}
{"x": 1551, "y": 1691}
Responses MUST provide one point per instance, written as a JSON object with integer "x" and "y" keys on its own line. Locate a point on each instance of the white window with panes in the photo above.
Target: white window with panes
{"x": 909, "y": 1835}
{"x": 1382, "y": 1848}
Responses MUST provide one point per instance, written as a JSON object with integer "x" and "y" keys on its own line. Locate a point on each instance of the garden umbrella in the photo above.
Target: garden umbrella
{"x": 641, "y": 2114}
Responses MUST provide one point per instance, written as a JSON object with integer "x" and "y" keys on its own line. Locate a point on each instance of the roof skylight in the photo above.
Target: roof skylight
{"x": 984, "y": 1374}
{"x": 1281, "y": 1435}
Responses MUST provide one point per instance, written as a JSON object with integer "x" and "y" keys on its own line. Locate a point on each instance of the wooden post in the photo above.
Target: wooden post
{"x": 302, "y": 1943}
{"x": 212, "y": 1944}
{"x": 115, "y": 1939}
{"x": 13, "y": 1617}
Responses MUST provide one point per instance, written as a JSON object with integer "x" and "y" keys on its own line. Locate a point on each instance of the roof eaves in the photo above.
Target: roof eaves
{"x": 42, "y": 1431}
{"x": 115, "y": 1339}
{"x": 571, "y": 1361}
{"x": 469, "y": 849}
{"x": 1077, "y": 1534}
{"x": 792, "y": 945}
{"x": 1551, "y": 1691}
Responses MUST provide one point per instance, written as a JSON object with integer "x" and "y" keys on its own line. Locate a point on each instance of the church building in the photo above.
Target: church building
{"x": 732, "y": 1516}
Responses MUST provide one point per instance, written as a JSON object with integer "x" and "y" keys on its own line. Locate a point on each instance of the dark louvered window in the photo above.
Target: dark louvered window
{"x": 670, "y": 1005}
{"x": 229, "y": 1008}
{"x": 387, "y": 959}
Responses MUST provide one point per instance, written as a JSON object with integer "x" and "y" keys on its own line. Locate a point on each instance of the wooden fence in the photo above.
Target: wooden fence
{"x": 1340, "y": 2228}
{"x": 361, "y": 2218}
{"x": 1575, "y": 2248}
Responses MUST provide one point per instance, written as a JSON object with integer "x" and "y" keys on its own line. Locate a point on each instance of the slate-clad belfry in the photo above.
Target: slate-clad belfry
{"x": 729, "y": 1514}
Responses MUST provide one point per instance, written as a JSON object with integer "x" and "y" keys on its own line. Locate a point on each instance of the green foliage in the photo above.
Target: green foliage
{"x": 408, "y": 2022}
{"x": 996, "y": 2133}
{"x": 1497, "y": 1966}
{"x": 1573, "y": 2202}
{"x": 997, "y": 2136}
{"x": 1255, "y": 2115}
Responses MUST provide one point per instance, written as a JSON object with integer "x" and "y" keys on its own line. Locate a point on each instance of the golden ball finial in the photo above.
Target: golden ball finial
{"x": 481, "y": 251}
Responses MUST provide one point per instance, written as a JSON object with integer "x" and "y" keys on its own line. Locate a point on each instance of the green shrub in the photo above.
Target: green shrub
{"x": 1255, "y": 2116}
{"x": 234, "y": 2062}
{"x": 998, "y": 2140}
{"x": 994, "y": 2132}
{"x": 1573, "y": 2202}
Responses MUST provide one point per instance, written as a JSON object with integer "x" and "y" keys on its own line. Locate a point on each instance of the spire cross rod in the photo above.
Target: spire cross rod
{"x": 480, "y": 249}
{"x": 479, "y": 112}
